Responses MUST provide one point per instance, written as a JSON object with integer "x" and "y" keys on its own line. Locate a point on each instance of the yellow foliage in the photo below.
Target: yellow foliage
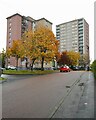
{"x": 8, "y": 52}
{"x": 40, "y": 43}
{"x": 74, "y": 57}
{"x": 46, "y": 42}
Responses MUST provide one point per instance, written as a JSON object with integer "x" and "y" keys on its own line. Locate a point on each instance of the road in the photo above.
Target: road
{"x": 40, "y": 96}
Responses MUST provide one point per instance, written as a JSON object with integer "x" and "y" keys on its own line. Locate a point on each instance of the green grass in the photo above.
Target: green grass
{"x": 36, "y": 72}
{"x": 2, "y": 79}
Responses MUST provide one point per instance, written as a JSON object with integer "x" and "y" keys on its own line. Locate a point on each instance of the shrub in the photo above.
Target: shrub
{"x": 93, "y": 66}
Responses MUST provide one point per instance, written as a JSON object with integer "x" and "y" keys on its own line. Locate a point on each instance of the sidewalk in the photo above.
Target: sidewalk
{"x": 86, "y": 105}
{"x": 80, "y": 101}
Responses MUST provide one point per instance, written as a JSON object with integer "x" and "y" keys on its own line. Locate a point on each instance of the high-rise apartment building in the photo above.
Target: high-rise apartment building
{"x": 17, "y": 25}
{"x": 74, "y": 35}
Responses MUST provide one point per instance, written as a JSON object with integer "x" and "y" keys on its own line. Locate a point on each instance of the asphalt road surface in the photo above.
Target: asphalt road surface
{"x": 41, "y": 96}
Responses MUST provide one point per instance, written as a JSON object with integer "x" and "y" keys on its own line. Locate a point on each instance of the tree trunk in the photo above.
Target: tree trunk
{"x": 42, "y": 63}
{"x": 17, "y": 63}
{"x": 6, "y": 61}
{"x": 32, "y": 64}
{"x": 21, "y": 63}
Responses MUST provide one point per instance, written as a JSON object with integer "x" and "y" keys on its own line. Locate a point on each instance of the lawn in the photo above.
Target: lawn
{"x": 2, "y": 78}
{"x": 35, "y": 72}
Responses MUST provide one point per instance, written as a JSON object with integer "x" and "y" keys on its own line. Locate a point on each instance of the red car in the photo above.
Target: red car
{"x": 64, "y": 69}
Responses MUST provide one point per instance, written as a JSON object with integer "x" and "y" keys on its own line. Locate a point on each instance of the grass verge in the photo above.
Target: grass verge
{"x": 34, "y": 72}
{"x": 1, "y": 79}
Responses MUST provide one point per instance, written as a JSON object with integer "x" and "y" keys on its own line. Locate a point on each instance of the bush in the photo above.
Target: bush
{"x": 93, "y": 67}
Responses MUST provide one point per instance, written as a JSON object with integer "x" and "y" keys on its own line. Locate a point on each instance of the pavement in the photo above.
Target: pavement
{"x": 80, "y": 101}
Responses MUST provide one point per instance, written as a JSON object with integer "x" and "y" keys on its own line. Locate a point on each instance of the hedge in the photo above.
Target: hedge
{"x": 93, "y": 66}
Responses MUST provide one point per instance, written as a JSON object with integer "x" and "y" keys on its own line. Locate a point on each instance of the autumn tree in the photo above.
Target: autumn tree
{"x": 64, "y": 59}
{"x": 8, "y": 54}
{"x": 58, "y": 56}
{"x": 40, "y": 44}
{"x": 46, "y": 44}
{"x": 29, "y": 47}
{"x": 14, "y": 51}
{"x": 84, "y": 60}
{"x": 74, "y": 57}
{"x": 69, "y": 57}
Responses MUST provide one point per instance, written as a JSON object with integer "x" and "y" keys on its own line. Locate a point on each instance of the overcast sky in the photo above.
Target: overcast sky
{"x": 56, "y": 11}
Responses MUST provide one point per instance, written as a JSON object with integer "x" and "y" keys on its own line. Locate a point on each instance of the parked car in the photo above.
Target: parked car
{"x": 11, "y": 68}
{"x": 75, "y": 68}
{"x": 64, "y": 69}
{"x": 82, "y": 68}
{"x": 54, "y": 68}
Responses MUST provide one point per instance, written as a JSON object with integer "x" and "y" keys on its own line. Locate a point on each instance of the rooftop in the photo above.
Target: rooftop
{"x": 14, "y": 15}
{"x": 29, "y": 18}
{"x": 71, "y": 21}
{"x": 44, "y": 19}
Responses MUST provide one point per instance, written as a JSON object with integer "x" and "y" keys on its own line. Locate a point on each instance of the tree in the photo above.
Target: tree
{"x": 84, "y": 60}
{"x": 69, "y": 57}
{"x": 8, "y": 54}
{"x": 93, "y": 67}
{"x": 74, "y": 57}
{"x": 29, "y": 47}
{"x": 40, "y": 44}
{"x": 3, "y": 56}
{"x": 64, "y": 59}
{"x": 46, "y": 44}
{"x": 58, "y": 55}
{"x": 14, "y": 51}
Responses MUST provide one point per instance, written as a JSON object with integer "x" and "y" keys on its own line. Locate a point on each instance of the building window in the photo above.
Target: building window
{"x": 9, "y": 38}
{"x": 80, "y": 23}
{"x": 80, "y": 27}
{"x": 10, "y": 28}
{"x": 10, "y": 23}
{"x": 33, "y": 25}
{"x": 9, "y": 43}
{"x": 81, "y": 37}
{"x": 10, "y": 33}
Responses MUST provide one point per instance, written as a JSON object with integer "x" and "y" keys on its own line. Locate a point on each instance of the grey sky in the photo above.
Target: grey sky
{"x": 56, "y": 11}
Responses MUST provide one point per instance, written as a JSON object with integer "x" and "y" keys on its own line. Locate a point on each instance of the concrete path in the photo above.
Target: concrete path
{"x": 80, "y": 100}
